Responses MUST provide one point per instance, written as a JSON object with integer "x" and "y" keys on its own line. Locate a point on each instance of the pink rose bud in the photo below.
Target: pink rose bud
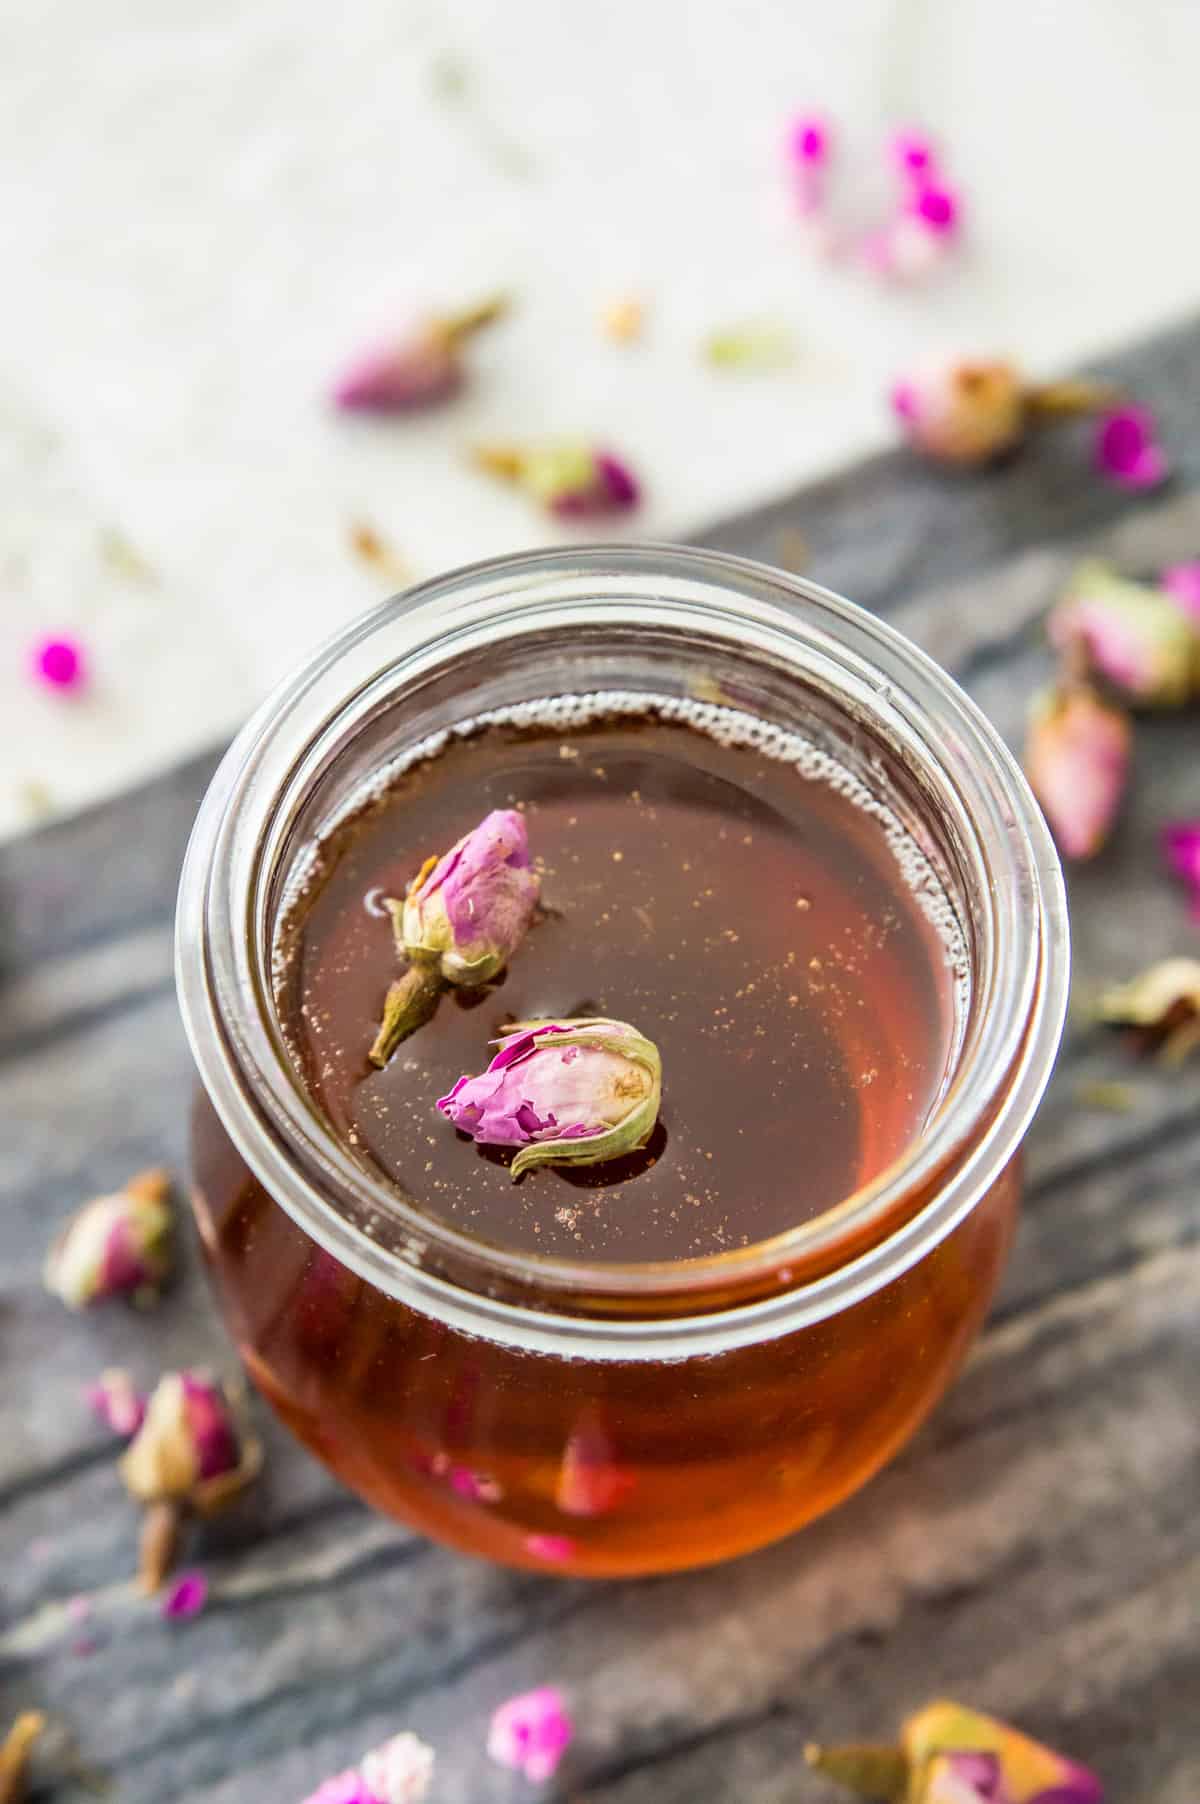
{"x": 396, "y": 1773}
{"x": 1181, "y": 845}
{"x": 531, "y": 1733}
{"x": 462, "y": 919}
{"x": 1077, "y": 760}
{"x": 114, "y": 1246}
{"x": 1137, "y": 637}
{"x": 468, "y": 911}
{"x": 948, "y": 1755}
{"x": 117, "y": 1403}
{"x": 190, "y": 1448}
{"x": 573, "y": 480}
{"x": 962, "y": 412}
{"x": 1128, "y": 451}
{"x": 422, "y": 366}
{"x": 1182, "y": 583}
{"x": 572, "y": 1092}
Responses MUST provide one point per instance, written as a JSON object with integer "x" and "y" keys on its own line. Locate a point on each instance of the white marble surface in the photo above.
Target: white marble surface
{"x": 207, "y": 207}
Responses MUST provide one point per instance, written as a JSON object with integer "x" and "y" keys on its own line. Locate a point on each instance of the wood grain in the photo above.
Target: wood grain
{"x": 1036, "y": 1551}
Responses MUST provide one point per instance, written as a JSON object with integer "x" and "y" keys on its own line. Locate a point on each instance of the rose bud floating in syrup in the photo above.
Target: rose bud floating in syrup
{"x": 462, "y": 919}
{"x": 563, "y": 1093}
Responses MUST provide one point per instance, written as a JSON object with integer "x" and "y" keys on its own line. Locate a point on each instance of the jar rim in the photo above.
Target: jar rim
{"x": 972, "y": 1132}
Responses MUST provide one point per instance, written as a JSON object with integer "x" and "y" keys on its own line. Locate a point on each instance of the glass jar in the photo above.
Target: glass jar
{"x": 609, "y": 1419}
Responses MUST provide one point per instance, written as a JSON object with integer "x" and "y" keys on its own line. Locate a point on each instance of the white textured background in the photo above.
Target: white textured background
{"x": 206, "y": 207}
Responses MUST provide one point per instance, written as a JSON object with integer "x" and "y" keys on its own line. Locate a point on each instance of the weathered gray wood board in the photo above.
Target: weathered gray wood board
{"x": 1037, "y": 1550}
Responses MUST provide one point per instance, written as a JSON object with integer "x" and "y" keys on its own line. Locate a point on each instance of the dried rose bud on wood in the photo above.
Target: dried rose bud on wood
{"x": 1164, "y": 1000}
{"x": 1138, "y": 638}
{"x": 192, "y": 1453}
{"x": 418, "y": 368}
{"x": 114, "y": 1246}
{"x": 950, "y": 1755}
{"x": 398, "y": 1772}
{"x": 574, "y": 480}
{"x": 1077, "y": 757}
{"x": 563, "y": 1092}
{"x": 970, "y": 410}
{"x": 462, "y": 919}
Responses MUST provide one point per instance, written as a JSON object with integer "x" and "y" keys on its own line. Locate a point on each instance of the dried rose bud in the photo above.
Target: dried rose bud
{"x": 462, "y": 919}
{"x": 114, "y": 1246}
{"x": 1164, "y": 1000}
{"x": 962, "y": 412}
{"x": 398, "y": 1772}
{"x": 191, "y": 1453}
{"x": 1135, "y": 636}
{"x": 119, "y": 1405}
{"x": 573, "y": 480}
{"x": 570, "y": 1092}
{"x": 422, "y": 366}
{"x": 1077, "y": 760}
{"x": 1181, "y": 845}
{"x": 1182, "y": 583}
{"x": 468, "y": 911}
{"x": 948, "y": 1755}
{"x": 531, "y": 1733}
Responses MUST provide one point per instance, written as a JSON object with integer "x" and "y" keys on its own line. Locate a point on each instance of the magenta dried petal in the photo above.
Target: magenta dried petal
{"x": 186, "y": 1597}
{"x": 912, "y": 153}
{"x": 60, "y": 663}
{"x": 1127, "y": 449}
{"x": 531, "y": 1733}
{"x": 938, "y": 209}
{"x": 809, "y": 140}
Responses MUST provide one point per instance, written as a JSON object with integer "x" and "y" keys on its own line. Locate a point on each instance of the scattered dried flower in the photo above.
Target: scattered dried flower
{"x": 186, "y": 1597}
{"x": 1077, "y": 756}
{"x": 462, "y": 919}
{"x": 950, "y": 1755}
{"x": 912, "y": 153}
{"x": 758, "y": 345}
{"x": 570, "y": 479}
{"x": 191, "y": 1453}
{"x": 60, "y": 663}
{"x": 116, "y": 1401}
{"x": 373, "y": 549}
{"x": 1137, "y": 637}
{"x": 15, "y": 1753}
{"x": 1164, "y": 1000}
{"x": 624, "y": 319}
{"x": 809, "y": 147}
{"x": 421, "y": 367}
{"x": 1182, "y": 581}
{"x": 1181, "y": 845}
{"x": 398, "y": 1772}
{"x": 963, "y": 411}
{"x": 1128, "y": 451}
{"x": 572, "y": 1092}
{"x": 114, "y": 1246}
{"x": 531, "y": 1733}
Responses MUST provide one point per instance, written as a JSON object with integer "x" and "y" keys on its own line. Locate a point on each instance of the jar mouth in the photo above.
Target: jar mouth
{"x": 787, "y": 631}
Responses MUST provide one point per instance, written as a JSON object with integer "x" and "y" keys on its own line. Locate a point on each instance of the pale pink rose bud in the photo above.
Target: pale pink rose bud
{"x": 963, "y": 411}
{"x": 572, "y": 1092}
{"x": 1077, "y": 760}
{"x": 468, "y": 911}
{"x": 114, "y": 1246}
{"x": 419, "y": 367}
{"x": 1135, "y": 636}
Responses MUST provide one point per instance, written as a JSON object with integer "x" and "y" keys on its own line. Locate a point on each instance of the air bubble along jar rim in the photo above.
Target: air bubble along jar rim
{"x": 680, "y": 623}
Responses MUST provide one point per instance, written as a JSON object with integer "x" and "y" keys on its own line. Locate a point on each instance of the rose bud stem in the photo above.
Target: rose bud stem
{"x": 15, "y": 1752}
{"x": 460, "y": 326}
{"x": 158, "y": 1544}
{"x": 409, "y": 1003}
{"x": 872, "y": 1771}
{"x": 1061, "y": 400}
